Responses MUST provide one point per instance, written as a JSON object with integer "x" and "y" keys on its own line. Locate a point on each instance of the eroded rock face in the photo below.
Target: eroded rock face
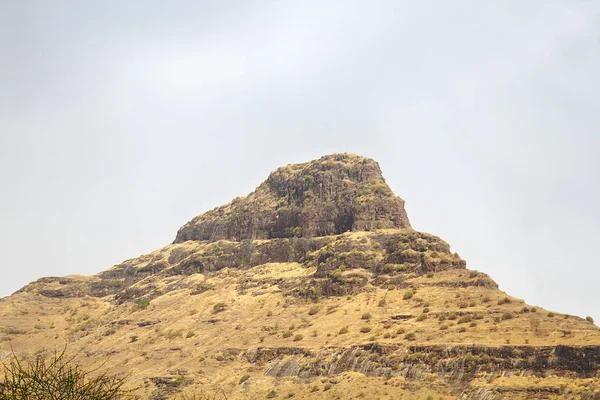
{"x": 332, "y": 195}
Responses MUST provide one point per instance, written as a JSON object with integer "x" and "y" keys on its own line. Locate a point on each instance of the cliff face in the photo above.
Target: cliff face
{"x": 332, "y": 195}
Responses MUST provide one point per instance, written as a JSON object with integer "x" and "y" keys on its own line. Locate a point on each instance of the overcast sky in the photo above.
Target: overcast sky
{"x": 121, "y": 120}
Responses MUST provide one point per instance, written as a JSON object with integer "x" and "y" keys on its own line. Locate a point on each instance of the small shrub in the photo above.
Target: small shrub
{"x": 442, "y": 317}
{"x": 365, "y": 329}
{"x": 472, "y": 304}
{"x": 473, "y": 324}
{"x": 343, "y": 330}
{"x": 589, "y": 319}
{"x": 525, "y": 309}
{"x": 408, "y": 295}
{"x": 244, "y": 378}
{"x": 190, "y": 334}
{"x": 327, "y": 387}
{"x": 219, "y": 307}
{"x": 313, "y": 310}
{"x": 287, "y": 334}
{"x": 366, "y": 316}
{"x": 463, "y": 305}
{"x": 400, "y": 331}
{"x": 462, "y": 329}
{"x": 486, "y": 299}
{"x": 551, "y": 314}
{"x": 133, "y": 338}
{"x": 141, "y": 304}
{"x": 504, "y": 300}
{"x": 270, "y": 314}
{"x": 57, "y": 377}
{"x": 272, "y": 394}
{"x": 382, "y": 302}
{"x": 443, "y": 327}
{"x": 386, "y": 335}
{"x": 464, "y": 319}
{"x": 425, "y": 310}
{"x": 422, "y": 317}
{"x": 507, "y": 316}
{"x": 430, "y": 274}
{"x": 298, "y": 337}
{"x": 473, "y": 274}
{"x": 533, "y": 309}
{"x": 452, "y": 316}
{"x": 410, "y": 336}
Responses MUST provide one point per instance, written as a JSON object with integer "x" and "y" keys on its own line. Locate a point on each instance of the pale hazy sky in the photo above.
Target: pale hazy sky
{"x": 121, "y": 120}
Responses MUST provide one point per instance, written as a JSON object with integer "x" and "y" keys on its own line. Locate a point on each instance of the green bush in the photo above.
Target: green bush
{"x": 411, "y": 336}
{"x": 366, "y": 316}
{"x": 298, "y": 337}
{"x": 551, "y": 314}
{"x": 57, "y": 377}
{"x": 408, "y": 295}
{"x": 464, "y": 319}
{"x": 589, "y": 319}
{"x": 141, "y": 304}
{"x": 425, "y": 310}
{"x": 507, "y": 315}
{"x": 422, "y": 317}
{"x": 287, "y": 334}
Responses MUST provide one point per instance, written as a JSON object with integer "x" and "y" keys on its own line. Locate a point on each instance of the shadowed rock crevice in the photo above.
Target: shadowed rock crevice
{"x": 331, "y": 195}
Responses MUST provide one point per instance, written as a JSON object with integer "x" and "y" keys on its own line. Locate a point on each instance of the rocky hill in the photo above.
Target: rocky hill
{"x": 312, "y": 286}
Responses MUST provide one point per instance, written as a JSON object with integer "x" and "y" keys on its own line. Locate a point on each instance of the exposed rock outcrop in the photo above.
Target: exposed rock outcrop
{"x": 332, "y": 195}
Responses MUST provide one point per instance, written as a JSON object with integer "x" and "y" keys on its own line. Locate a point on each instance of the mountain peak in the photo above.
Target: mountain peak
{"x": 334, "y": 194}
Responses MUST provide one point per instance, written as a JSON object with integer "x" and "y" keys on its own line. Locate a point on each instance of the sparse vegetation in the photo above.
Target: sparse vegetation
{"x": 408, "y": 295}
{"x": 343, "y": 330}
{"x": 365, "y": 329}
{"x": 589, "y": 319}
{"x": 366, "y": 316}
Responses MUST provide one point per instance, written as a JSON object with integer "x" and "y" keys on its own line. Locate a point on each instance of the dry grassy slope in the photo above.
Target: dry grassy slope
{"x": 307, "y": 311}
{"x": 204, "y": 329}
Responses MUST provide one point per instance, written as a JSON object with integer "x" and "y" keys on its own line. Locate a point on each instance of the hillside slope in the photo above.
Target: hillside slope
{"x": 313, "y": 286}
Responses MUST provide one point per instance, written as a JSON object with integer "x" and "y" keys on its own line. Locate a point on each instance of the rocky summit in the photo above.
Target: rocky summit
{"x": 315, "y": 285}
{"x": 332, "y": 195}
